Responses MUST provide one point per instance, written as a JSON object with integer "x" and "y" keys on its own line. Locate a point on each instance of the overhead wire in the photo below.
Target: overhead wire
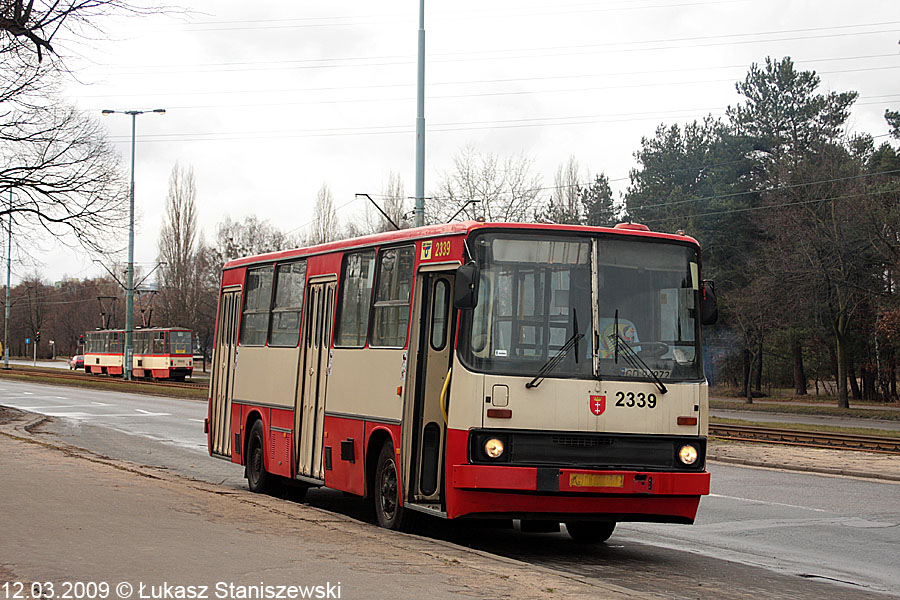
{"x": 537, "y": 52}
{"x": 781, "y": 205}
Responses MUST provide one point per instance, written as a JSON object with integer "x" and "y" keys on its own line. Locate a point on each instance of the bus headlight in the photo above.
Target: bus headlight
{"x": 493, "y": 448}
{"x": 687, "y": 454}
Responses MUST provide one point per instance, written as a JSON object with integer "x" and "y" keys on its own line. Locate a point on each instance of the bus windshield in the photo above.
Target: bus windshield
{"x": 536, "y": 293}
{"x": 648, "y": 295}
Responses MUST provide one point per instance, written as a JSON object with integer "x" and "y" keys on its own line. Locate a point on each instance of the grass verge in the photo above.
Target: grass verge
{"x": 809, "y": 427}
{"x": 44, "y": 376}
{"x": 798, "y": 409}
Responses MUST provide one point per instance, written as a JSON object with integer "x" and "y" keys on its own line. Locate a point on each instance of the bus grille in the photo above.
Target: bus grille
{"x": 588, "y": 451}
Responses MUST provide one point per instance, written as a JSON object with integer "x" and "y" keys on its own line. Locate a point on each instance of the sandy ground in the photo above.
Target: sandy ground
{"x": 70, "y": 516}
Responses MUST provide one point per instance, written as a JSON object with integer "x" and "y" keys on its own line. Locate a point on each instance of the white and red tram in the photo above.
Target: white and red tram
{"x": 158, "y": 353}
{"x": 537, "y": 372}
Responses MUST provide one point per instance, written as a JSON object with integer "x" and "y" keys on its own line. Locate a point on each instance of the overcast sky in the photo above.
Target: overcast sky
{"x": 269, "y": 100}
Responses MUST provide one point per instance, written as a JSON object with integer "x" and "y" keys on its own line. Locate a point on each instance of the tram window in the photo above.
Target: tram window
{"x": 439, "y": 314}
{"x": 391, "y": 309}
{"x": 257, "y": 295}
{"x": 355, "y": 296}
{"x": 115, "y": 346}
{"x": 159, "y": 342}
{"x": 290, "y": 280}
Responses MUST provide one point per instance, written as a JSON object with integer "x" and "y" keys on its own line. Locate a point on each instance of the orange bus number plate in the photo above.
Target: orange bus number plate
{"x": 593, "y": 480}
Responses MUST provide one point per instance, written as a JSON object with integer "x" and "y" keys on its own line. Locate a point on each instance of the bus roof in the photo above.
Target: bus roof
{"x": 445, "y": 229}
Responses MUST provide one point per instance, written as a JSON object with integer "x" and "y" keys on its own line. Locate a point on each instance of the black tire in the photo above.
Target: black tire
{"x": 388, "y": 510}
{"x": 590, "y": 532}
{"x": 258, "y": 480}
{"x": 288, "y": 489}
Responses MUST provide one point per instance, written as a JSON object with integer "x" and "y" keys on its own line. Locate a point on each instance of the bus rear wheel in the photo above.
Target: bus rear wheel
{"x": 388, "y": 510}
{"x": 258, "y": 480}
{"x": 590, "y": 532}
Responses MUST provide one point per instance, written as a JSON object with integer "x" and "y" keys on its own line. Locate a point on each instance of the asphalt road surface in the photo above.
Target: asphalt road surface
{"x": 761, "y": 533}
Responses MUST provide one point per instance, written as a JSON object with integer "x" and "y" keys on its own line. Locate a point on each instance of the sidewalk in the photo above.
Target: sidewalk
{"x": 70, "y": 516}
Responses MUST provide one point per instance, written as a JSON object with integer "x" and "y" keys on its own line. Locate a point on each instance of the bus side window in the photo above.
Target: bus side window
{"x": 290, "y": 282}
{"x": 354, "y": 298}
{"x": 257, "y": 296}
{"x": 391, "y": 308}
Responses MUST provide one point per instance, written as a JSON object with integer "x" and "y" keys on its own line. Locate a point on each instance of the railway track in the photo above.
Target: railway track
{"x": 85, "y": 377}
{"x": 812, "y": 439}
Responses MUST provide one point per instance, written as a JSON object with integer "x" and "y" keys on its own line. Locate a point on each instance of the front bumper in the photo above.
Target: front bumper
{"x": 570, "y": 492}
{"x": 546, "y": 493}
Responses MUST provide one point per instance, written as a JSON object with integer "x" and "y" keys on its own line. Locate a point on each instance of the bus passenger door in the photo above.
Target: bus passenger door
{"x": 436, "y": 344}
{"x": 222, "y": 382}
{"x": 316, "y": 340}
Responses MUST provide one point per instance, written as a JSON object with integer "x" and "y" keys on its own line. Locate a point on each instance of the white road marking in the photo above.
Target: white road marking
{"x": 147, "y": 413}
{"x": 99, "y": 403}
{"x": 767, "y": 503}
{"x": 72, "y": 415}
{"x": 53, "y": 407}
{"x": 196, "y": 420}
{"x": 60, "y": 397}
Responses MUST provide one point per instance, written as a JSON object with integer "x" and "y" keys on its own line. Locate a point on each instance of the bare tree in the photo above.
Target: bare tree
{"x": 395, "y": 201}
{"x": 393, "y": 196}
{"x": 64, "y": 176}
{"x": 565, "y": 203}
{"x": 32, "y": 25}
{"x": 501, "y": 189}
{"x": 324, "y": 227}
{"x": 235, "y": 239}
{"x": 180, "y": 281}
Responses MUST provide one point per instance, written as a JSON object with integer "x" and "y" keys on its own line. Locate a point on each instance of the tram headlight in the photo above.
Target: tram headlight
{"x": 493, "y": 448}
{"x": 688, "y": 454}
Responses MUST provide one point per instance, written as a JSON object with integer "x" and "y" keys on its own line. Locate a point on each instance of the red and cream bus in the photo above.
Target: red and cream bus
{"x": 546, "y": 373}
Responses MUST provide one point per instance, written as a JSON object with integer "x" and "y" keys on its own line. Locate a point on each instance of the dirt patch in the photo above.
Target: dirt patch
{"x": 8, "y": 415}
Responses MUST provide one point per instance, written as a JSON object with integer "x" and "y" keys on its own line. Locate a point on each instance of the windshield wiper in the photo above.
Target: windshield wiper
{"x": 633, "y": 359}
{"x": 560, "y": 354}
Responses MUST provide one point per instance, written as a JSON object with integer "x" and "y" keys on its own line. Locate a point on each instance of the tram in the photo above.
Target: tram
{"x": 158, "y": 353}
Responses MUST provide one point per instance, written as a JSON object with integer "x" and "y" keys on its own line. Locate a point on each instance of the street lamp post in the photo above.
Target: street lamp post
{"x": 420, "y": 121}
{"x": 129, "y": 283}
{"x": 8, "y": 270}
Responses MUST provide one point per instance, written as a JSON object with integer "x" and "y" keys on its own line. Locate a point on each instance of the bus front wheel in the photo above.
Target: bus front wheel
{"x": 590, "y": 532}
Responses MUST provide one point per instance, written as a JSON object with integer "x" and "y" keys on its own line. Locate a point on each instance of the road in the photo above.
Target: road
{"x": 761, "y": 532}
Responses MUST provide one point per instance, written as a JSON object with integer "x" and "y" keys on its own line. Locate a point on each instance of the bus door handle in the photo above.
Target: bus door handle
{"x": 444, "y": 395}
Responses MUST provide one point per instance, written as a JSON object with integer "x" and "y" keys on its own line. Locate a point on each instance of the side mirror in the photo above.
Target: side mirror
{"x": 465, "y": 289}
{"x": 709, "y": 309}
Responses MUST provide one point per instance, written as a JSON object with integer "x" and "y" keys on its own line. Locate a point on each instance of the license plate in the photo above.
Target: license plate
{"x": 594, "y": 480}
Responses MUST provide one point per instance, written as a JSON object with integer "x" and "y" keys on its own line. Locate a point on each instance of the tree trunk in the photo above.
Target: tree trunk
{"x": 748, "y": 393}
{"x": 892, "y": 378}
{"x": 799, "y": 373}
{"x": 854, "y": 382}
{"x": 757, "y": 377}
{"x": 870, "y": 383}
{"x": 841, "y": 359}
